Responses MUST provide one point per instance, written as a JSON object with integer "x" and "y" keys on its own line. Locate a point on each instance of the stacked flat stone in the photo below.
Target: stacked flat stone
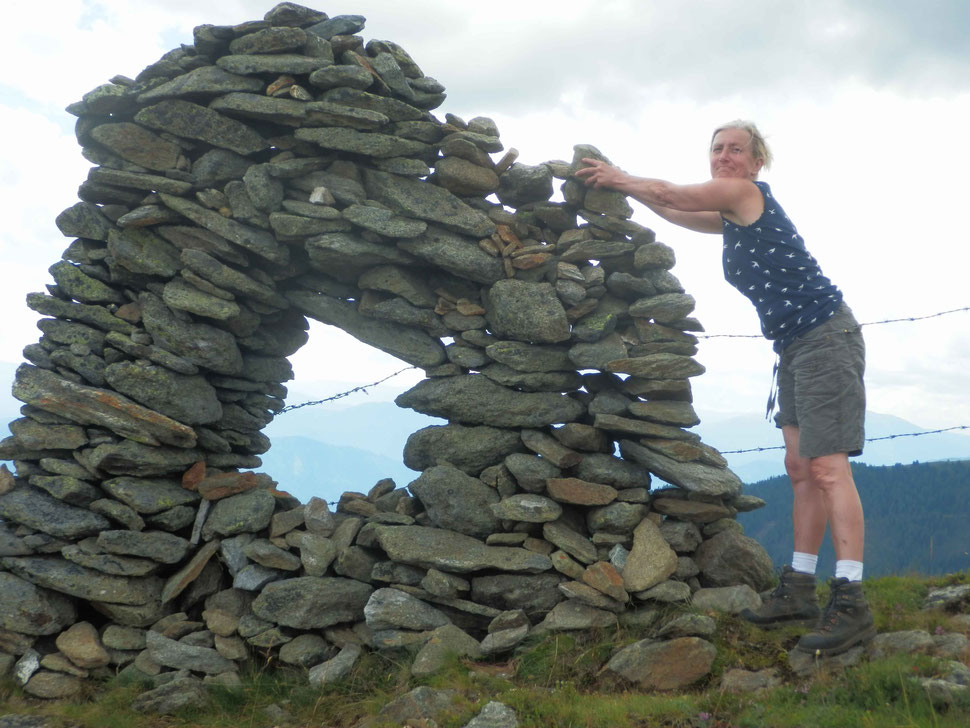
{"x": 280, "y": 169}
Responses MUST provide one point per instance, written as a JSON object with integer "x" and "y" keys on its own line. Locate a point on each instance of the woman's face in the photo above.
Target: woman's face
{"x": 732, "y": 155}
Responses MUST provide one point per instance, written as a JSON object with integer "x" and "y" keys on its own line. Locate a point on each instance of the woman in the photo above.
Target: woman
{"x": 821, "y": 395}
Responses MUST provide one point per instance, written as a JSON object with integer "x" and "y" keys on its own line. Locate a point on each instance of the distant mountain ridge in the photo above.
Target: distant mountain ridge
{"x": 916, "y": 519}
{"x": 307, "y": 468}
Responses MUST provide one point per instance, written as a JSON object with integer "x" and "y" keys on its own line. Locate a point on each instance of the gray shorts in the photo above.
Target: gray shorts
{"x": 821, "y": 389}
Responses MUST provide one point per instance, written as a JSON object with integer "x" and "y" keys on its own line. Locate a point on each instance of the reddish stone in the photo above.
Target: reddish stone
{"x": 604, "y": 577}
{"x": 469, "y": 308}
{"x": 580, "y": 492}
{"x": 507, "y": 236}
{"x": 279, "y": 84}
{"x": 687, "y": 510}
{"x": 193, "y": 476}
{"x": 227, "y": 484}
{"x": 530, "y": 260}
{"x": 130, "y": 312}
{"x": 190, "y": 572}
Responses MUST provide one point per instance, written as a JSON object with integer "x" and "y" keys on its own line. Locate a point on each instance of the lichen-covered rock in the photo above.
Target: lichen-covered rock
{"x": 455, "y": 552}
{"x": 456, "y": 501}
{"x": 476, "y": 400}
{"x": 470, "y": 449}
{"x": 29, "y": 609}
{"x": 311, "y": 602}
{"x": 670, "y": 665}
{"x": 730, "y": 558}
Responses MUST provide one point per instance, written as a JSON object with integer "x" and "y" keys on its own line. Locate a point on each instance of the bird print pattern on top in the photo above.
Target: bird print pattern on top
{"x": 768, "y": 262}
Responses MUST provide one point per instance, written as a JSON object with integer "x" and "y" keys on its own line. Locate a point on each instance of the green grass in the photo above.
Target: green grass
{"x": 557, "y": 681}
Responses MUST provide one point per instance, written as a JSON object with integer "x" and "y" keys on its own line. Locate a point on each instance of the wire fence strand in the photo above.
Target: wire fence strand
{"x": 340, "y": 395}
{"x": 868, "y": 439}
{"x": 868, "y": 323}
{"x": 365, "y": 387}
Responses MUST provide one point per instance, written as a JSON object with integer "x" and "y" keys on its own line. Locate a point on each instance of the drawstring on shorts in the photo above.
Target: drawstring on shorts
{"x": 773, "y": 389}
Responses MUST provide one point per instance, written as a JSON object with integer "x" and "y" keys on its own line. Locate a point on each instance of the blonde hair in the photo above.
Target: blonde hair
{"x": 759, "y": 147}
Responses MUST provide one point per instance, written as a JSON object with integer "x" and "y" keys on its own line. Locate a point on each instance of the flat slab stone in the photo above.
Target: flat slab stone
{"x": 394, "y": 609}
{"x": 370, "y": 144}
{"x": 342, "y": 249}
{"x": 252, "y": 239}
{"x": 247, "y": 512}
{"x": 310, "y": 602}
{"x": 182, "y": 656}
{"x": 571, "y": 542}
{"x": 665, "y": 665}
{"x": 454, "y": 552}
{"x": 696, "y": 477}
{"x": 39, "y": 510}
{"x": 207, "y": 80}
{"x": 138, "y": 145}
{"x": 392, "y": 108}
{"x": 29, "y": 609}
{"x": 657, "y": 366}
{"x": 149, "y": 496}
{"x": 166, "y": 548}
{"x": 528, "y": 508}
{"x": 190, "y": 400}
{"x": 92, "y": 406}
{"x": 63, "y": 576}
{"x": 278, "y": 63}
{"x": 183, "y": 118}
{"x": 414, "y": 198}
{"x": 476, "y": 400}
{"x": 580, "y": 492}
{"x": 453, "y": 252}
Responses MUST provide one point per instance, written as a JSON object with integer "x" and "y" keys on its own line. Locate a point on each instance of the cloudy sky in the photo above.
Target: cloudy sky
{"x": 864, "y": 102}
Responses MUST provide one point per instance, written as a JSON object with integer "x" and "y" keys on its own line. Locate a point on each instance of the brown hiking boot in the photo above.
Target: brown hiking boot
{"x": 847, "y": 622}
{"x": 792, "y": 602}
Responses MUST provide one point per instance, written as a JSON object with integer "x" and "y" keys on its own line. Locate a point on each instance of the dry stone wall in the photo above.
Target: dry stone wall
{"x": 282, "y": 169}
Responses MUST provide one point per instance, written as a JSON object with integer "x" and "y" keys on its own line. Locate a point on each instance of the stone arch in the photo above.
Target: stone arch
{"x": 283, "y": 169}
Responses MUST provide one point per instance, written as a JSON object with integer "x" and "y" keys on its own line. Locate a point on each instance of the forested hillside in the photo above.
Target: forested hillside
{"x": 917, "y": 518}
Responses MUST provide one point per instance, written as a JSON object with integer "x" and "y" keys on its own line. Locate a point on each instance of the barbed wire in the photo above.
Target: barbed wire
{"x": 868, "y": 439}
{"x": 868, "y": 323}
{"x": 341, "y": 395}
{"x": 365, "y": 387}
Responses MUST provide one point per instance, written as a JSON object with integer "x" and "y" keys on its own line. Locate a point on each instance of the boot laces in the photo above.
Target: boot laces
{"x": 838, "y": 603}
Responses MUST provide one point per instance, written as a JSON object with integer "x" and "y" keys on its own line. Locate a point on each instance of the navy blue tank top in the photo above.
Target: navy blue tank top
{"x": 767, "y": 261}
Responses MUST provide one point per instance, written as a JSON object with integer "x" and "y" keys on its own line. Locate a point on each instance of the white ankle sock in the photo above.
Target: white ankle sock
{"x": 851, "y": 570}
{"x": 804, "y": 563}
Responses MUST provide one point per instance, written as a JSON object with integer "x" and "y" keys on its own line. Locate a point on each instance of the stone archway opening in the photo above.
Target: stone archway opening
{"x": 286, "y": 169}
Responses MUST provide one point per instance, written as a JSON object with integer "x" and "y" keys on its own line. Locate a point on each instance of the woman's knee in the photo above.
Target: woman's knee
{"x": 829, "y": 471}
{"x": 797, "y": 468}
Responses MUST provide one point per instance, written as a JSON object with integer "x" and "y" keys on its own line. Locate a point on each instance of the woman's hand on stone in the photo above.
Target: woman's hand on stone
{"x": 599, "y": 173}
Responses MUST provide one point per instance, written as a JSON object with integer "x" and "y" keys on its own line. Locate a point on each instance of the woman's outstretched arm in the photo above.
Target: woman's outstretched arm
{"x": 696, "y": 207}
